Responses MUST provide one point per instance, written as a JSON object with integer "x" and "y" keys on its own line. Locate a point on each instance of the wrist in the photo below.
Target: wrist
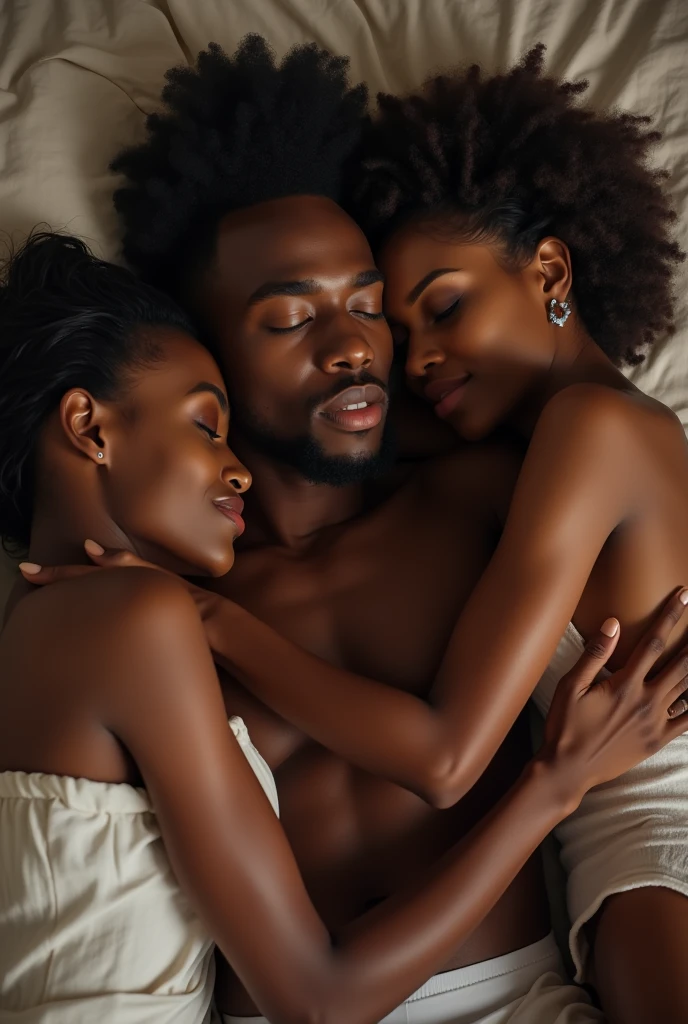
{"x": 557, "y": 784}
{"x": 220, "y": 618}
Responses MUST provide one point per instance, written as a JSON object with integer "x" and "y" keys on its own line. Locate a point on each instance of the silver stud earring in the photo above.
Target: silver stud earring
{"x": 100, "y": 455}
{"x": 565, "y": 312}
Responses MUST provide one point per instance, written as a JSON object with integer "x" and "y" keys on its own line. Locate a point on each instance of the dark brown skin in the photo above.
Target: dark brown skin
{"x": 597, "y": 524}
{"x": 320, "y": 570}
{"x": 128, "y": 693}
{"x": 323, "y": 585}
{"x": 600, "y": 507}
{"x": 317, "y": 571}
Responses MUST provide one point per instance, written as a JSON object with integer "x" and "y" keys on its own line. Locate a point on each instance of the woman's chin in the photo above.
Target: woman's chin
{"x": 211, "y": 564}
{"x": 467, "y": 428}
{"x": 220, "y": 563}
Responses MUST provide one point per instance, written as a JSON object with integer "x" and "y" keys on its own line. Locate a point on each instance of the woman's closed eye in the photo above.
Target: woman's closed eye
{"x": 208, "y": 430}
{"x": 447, "y": 312}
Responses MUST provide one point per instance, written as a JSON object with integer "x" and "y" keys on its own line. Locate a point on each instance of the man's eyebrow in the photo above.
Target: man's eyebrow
{"x": 366, "y": 278}
{"x": 418, "y": 290}
{"x": 204, "y": 386}
{"x": 266, "y": 291}
{"x": 309, "y": 286}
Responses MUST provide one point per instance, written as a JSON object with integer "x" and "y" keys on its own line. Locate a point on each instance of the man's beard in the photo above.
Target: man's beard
{"x": 306, "y": 455}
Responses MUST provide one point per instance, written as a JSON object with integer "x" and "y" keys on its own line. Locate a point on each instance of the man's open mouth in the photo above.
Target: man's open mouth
{"x": 357, "y": 408}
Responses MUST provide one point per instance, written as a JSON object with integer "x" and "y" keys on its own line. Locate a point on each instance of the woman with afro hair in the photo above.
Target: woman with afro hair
{"x": 526, "y": 244}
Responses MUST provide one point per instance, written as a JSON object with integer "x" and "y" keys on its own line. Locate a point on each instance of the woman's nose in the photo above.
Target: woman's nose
{"x": 236, "y": 474}
{"x": 421, "y": 357}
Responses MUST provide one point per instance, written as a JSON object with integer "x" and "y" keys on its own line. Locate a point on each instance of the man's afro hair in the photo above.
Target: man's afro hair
{"x": 238, "y": 130}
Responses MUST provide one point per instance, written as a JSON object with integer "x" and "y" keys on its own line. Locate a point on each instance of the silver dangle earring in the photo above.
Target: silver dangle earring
{"x": 565, "y": 312}
{"x": 100, "y": 455}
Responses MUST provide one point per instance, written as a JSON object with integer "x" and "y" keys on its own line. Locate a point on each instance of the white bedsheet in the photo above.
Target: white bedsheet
{"x": 77, "y": 77}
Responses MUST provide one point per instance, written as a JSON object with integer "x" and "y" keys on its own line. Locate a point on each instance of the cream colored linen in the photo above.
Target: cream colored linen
{"x": 627, "y": 833}
{"x": 523, "y": 987}
{"x": 93, "y": 926}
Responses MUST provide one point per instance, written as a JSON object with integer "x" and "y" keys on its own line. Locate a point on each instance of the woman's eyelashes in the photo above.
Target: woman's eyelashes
{"x": 401, "y": 334}
{"x": 447, "y": 311}
{"x": 208, "y": 430}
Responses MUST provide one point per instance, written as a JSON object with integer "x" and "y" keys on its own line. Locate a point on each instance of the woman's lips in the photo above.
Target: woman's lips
{"x": 232, "y": 508}
{"x": 446, "y": 394}
{"x": 357, "y": 408}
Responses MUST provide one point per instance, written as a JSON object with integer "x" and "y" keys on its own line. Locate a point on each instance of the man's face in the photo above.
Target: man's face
{"x": 294, "y": 302}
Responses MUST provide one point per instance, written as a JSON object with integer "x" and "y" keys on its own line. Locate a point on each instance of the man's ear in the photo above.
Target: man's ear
{"x": 552, "y": 264}
{"x": 85, "y": 422}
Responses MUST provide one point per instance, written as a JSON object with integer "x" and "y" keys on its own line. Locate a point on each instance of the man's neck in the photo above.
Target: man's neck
{"x": 284, "y": 508}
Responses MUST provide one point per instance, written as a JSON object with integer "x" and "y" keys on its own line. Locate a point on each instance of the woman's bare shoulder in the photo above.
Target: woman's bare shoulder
{"x": 99, "y": 613}
{"x": 599, "y": 405}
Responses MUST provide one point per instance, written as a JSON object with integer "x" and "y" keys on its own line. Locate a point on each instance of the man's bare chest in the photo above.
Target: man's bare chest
{"x": 381, "y": 602}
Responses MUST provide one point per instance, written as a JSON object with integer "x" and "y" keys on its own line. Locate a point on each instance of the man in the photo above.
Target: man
{"x": 231, "y": 205}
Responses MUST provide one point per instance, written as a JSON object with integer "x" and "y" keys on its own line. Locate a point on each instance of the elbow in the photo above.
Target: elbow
{"x": 446, "y": 782}
{"x": 314, "y": 1012}
{"x": 303, "y": 1013}
{"x": 311, "y": 1003}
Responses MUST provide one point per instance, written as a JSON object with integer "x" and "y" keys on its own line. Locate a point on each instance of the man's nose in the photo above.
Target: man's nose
{"x": 344, "y": 346}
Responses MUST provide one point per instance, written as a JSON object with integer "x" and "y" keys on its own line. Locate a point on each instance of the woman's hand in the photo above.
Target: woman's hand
{"x": 597, "y": 730}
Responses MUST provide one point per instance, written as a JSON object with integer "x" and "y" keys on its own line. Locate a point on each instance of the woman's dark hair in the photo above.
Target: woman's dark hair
{"x": 238, "y": 130}
{"x": 67, "y": 320}
{"x": 513, "y": 157}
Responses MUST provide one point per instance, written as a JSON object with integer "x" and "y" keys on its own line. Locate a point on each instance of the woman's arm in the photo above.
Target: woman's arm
{"x": 160, "y": 696}
{"x": 574, "y": 489}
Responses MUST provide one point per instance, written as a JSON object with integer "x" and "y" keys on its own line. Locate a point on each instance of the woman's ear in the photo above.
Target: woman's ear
{"x": 85, "y": 422}
{"x": 552, "y": 263}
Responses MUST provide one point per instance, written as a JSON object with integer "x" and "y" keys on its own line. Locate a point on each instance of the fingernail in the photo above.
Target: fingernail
{"x": 30, "y": 567}
{"x": 683, "y": 597}
{"x": 94, "y": 548}
{"x": 609, "y": 627}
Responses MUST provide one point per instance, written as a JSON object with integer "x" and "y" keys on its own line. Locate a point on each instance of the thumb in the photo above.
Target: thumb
{"x": 598, "y": 650}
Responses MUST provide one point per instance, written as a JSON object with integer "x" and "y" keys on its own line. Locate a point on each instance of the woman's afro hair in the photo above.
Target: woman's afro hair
{"x": 511, "y": 158}
{"x": 238, "y": 130}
